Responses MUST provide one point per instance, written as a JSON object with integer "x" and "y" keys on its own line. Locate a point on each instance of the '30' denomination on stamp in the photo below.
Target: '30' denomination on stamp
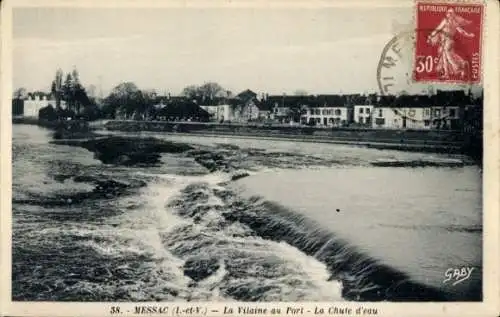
{"x": 450, "y": 49}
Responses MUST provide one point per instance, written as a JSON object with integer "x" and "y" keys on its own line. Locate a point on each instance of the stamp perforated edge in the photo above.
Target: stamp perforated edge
{"x": 483, "y": 4}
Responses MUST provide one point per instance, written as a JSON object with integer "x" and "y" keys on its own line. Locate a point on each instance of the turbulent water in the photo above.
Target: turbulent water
{"x": 311, "y": 222}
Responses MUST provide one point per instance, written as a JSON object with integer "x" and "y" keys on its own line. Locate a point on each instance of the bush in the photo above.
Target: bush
{"x": 48, "y": 113}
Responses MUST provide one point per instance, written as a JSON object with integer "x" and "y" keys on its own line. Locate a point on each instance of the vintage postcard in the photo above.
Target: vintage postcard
{"x": 250, "y": 158}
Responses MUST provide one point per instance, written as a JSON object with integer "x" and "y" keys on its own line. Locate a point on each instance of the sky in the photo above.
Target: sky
{"x": 275, "y": 51}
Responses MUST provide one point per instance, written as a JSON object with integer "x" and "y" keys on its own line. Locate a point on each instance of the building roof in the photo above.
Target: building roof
{"x": 331, "y": 100}
{"x": 263, "y": 106}
{"x": 404, "y": 101}
{"x": 246, "y": 94}
{"x": 287, "y": 101}
{"x": 39, "y": 94}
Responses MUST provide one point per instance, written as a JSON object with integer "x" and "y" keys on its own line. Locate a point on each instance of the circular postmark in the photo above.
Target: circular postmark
{"x": 398, "y": 68}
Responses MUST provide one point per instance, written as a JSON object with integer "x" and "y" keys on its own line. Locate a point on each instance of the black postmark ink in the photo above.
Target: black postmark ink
{"x": 396, "y": 71}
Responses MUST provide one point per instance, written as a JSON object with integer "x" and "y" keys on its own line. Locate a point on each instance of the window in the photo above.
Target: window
{"x": 338, "y": 112}
{"x": 368, "y": 110}
{"x": 325, "y": 112}
{"x": 379, "y": 121}
{"x": 452, "y": 112}
{"x": 437, "y": 113}
{"x": 427, "y": 112}
{"x": 380, "y": 112}
{"x": 361, "y": 120}
{"x": 360, "y": 110}
{"x": 427, "y": 123}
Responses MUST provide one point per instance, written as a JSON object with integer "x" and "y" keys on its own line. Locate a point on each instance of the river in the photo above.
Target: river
{"x": 311, "y": 222}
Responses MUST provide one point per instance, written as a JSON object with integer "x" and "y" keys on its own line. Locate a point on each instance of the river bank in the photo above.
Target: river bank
{"x": 405, "y": 140}
{"x": 425, "y": 141}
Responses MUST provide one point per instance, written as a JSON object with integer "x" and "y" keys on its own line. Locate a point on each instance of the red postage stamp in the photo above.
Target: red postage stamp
{"x": 448, "y": 44}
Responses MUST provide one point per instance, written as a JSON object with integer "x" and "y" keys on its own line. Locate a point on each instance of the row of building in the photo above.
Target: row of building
{"x": 443, "y": 110}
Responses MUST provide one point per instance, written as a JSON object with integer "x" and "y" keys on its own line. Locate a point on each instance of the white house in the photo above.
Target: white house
{"x": 221, "y": 113}
{"x": 32, "y": 105}
{"x": 363, "y": 114}
{"x": 245, "y": 112}
{"x": 325, "y": 116}
{"x": 402, "y": 117}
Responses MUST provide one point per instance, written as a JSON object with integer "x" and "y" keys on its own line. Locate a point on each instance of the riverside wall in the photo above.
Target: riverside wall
{"x": 418, "y": 140}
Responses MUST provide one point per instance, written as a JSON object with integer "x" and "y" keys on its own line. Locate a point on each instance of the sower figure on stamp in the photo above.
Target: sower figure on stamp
{"x": 449, "y": 62}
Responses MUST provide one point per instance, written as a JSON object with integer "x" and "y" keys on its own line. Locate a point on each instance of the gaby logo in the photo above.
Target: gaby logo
{"x": 457, "y": 275}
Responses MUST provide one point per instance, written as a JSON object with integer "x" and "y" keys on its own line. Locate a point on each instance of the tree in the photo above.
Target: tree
{"x": 124, "y": 89}
{"x": 47, "y": 113}
{"x": 191, "y": 92}
{"x": 125, "y": 98}
{"x": 56, "y": 88}
{"x": 91, "y": 112}
{"x": 146, "y": 102}
{"x": 19, "y": 93}
{"x": 81, "y": 100}
{"x": 205, "y": 92}
{"x": 211, "y": 90}
{"x": 76, "y": 77}
{"x": 67, "y": 91}
{"x": 79, "y": 94}
{"x": 71, "y": 91}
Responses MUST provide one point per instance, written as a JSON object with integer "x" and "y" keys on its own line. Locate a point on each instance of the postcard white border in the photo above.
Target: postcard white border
{"x": 491, "y": 176}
